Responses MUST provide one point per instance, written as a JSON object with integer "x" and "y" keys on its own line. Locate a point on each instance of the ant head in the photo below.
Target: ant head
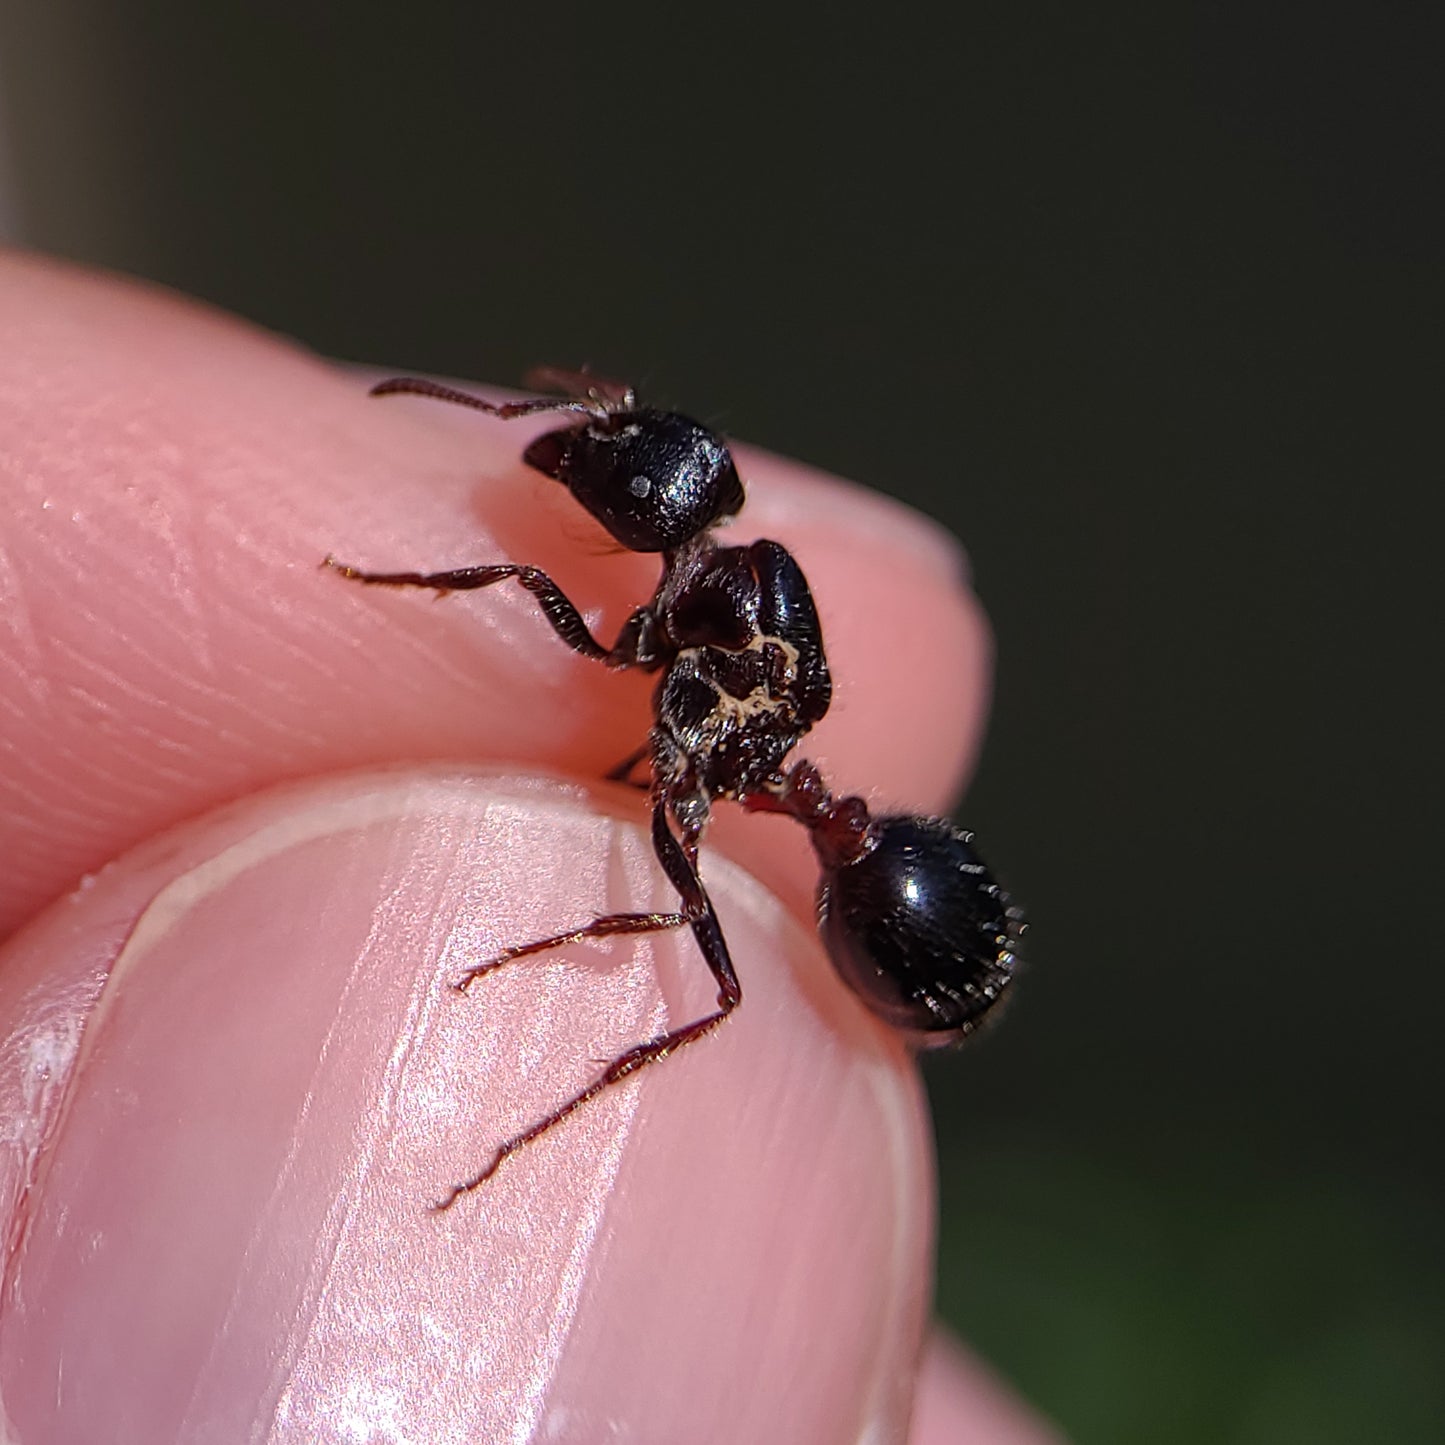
{"x": 654, "y": 479}
{"x": 919, "y": 930}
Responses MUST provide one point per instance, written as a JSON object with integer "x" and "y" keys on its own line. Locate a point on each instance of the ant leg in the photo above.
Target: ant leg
{"x": 604, "y": 926}
{"x": 556, "y": 606}
{"x": 698, "y": 911}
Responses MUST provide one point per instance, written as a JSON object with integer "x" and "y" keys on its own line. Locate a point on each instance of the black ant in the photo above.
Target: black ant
{"x": 911, "y": 918}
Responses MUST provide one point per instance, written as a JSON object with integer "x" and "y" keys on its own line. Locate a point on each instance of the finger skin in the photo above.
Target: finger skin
{"x": 246, "y": 1082}
{"x": 171, "y": 479}
{"x": 962, "y": 1402}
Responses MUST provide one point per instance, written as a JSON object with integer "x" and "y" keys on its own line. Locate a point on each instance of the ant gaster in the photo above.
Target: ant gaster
{"x": 910, "y": 916}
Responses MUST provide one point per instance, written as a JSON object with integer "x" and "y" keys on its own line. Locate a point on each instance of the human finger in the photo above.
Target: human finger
{"x": 171, "y": 479}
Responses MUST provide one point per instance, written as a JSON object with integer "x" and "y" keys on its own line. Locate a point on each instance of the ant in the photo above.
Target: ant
{"x": 912, "y": 919}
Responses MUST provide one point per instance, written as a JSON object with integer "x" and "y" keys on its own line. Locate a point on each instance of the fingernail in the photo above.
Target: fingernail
{"x": 224, "y": 1229}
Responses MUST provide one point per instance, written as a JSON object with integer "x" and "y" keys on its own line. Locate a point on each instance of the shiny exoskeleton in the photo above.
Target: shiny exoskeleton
{"x": 913, "y": 921}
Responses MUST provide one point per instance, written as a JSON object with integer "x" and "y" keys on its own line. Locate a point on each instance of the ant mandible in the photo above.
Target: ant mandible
{"x": 912, "y": 919}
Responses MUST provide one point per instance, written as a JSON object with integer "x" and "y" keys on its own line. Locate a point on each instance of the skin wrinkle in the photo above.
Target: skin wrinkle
{"x": 107, "y": 675}
{"x": 439, "y": 660}
{"x": 263, "y": 683}
{"x": 126, "y": 786}
{"x": 205, "y": 732}
{"x": 174, "y": 528}
{"x": 17, "y": 621}
{"x": 59, "y": 811}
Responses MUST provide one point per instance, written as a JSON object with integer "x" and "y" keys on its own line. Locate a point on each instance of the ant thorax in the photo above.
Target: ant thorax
{"x": 747, "y": 676}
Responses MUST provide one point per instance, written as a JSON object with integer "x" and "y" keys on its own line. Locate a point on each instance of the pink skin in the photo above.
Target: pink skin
{"x": 231, "y": 1077}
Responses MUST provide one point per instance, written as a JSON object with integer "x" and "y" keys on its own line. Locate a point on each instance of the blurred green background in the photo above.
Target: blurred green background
{"x": 1146, "y": 306}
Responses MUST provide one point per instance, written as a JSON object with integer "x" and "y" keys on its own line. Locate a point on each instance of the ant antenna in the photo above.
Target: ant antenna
{"x": 507, "y": 410}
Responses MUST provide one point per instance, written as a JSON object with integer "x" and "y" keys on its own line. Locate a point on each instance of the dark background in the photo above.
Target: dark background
{"x": 1146, "y": 308}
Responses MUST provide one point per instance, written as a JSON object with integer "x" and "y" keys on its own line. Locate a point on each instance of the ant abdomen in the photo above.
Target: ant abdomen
{"x": 919, "y": 929}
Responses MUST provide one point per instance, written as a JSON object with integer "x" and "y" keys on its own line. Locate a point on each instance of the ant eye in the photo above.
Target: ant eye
{"x": 918, "y": 928}
{"x": 654, "y": 479}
